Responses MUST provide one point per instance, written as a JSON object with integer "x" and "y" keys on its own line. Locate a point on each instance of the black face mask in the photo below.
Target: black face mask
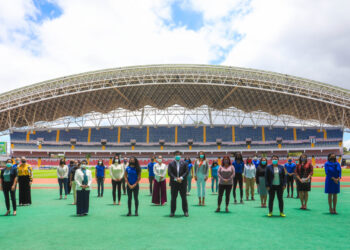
{"x": 303, "y": 160}
{"x": 332, "y": 159}
{"x": 23, "y": 161}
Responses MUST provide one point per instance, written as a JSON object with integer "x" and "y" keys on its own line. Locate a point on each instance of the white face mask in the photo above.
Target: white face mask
{"x": 83, "y": 166}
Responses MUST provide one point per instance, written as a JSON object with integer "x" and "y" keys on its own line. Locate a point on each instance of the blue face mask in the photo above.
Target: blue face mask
{"x": 274, "y": 162}
{"x": 263, "y": 162}
{"x": 289, "y": 161}
{"x": 201, "y": 156}
{"x": 9, "y": 165}
{"x": 178, "y": 157}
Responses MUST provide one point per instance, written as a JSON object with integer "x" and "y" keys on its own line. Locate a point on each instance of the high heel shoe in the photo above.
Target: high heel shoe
{"x": 7, "y": 213}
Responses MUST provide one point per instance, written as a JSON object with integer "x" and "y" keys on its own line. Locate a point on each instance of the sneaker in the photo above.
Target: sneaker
{"x": 235, "y": 201}
{"x": 269, "y": 214}
{"x": 241, "y": 201}
{"x": 282, "y": 215}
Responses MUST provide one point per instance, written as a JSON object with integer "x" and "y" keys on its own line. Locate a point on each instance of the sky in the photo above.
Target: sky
{"x": 45, "y": 39}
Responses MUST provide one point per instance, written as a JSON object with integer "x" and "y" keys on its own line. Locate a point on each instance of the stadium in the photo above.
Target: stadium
{"x": 152, "y": 110}
{"x": 162, "y": 108}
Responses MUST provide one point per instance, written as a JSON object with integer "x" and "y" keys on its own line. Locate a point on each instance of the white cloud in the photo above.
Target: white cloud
{"x": 347, "y": 144}
{"x": 302, "y": 38}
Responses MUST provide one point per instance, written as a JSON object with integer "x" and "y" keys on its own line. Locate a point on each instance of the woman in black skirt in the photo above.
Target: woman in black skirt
{"x": 303, "y": 174}
{"x": 83, "y": 179}
{"x": 25, "y": 179}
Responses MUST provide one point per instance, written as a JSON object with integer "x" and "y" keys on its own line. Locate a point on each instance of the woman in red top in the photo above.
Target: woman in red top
{"x": 303, "y": 174}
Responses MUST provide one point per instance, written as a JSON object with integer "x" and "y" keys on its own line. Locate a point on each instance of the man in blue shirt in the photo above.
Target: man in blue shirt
{"x": 256, "y": 161}
{"x": 151, "y": 174}
{"x": 289, "y": 169}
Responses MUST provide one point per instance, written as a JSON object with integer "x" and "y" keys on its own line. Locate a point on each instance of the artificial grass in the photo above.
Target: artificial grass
{"x": 52, "y": 224}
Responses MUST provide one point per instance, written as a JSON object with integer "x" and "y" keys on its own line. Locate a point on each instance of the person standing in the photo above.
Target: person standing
{"x": 159, "y": 190}
{"x": 83, "y": 179}
{"x": 303, "y": 174}
{"x": 260, "y": 180}
{"x": 72, "y": 183}
{"x": 226, "y": 173}
{"x": 151, "y": 174}
{"x": 190, "y": 175}
{"x": 290, "y": 171}
{"x": 275, "y": 178}
{"x": 132, "y": 178}
{"x": 239, "y": 167}
{"x": 62, "y": 176}
{"x": 100, "y": 174}
{"x": 25, "y": 179}
{"x": 178, "y": 171}
{"x": 125, "y": 164}
{"x": 214, "y": 176}
{"x": 201, "y": 172}
{"x": 8, "y": 182}
{"x": 249, "y": 178}
{"x": 116, "y": 172}
{"x": 332, "y": 182}
{"x": 70, "y": 168}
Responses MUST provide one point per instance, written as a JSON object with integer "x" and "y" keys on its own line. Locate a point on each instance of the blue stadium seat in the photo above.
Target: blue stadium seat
{"x": 272, "y": 134}
{"x": 243, "y": 133}
{"x": 133, "y": 133}
{"x": 111, "y": 135}
{"x": 163, "y": 133}
{"x": 219, "y": 133}
{"x": 183, "y": 134}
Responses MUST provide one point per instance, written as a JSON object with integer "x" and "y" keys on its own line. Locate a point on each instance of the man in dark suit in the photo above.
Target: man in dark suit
{"x": 178, "y": 171}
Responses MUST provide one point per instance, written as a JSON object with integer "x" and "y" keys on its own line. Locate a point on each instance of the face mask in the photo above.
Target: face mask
{"x": 17, "y": 162}
{"x": 255, "y": 158}
{"x": 23, "y": 161}
{"x": 160, "y": 160}
{"x": 83, "y": 166}
{"x": 249, "y": 161}
{"x": 274, "y": 162}
{"x": 332, "y": 159}
{"x": 303, "y": 160}
{"x": 201, "y": 156}
{"x": 263, "y": 162}
{"x": 226, "y": 162}
{"x": 125, "y": 161}
{"x": 99, "y": 163}
{"x": 296, "y": 162}
{"x": 178, "y": 157}
{"x": 289, "y": 161}
{"x": 9, "y": 165}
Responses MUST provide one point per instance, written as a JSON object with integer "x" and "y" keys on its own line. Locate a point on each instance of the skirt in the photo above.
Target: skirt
{"x": 262, "y": 186}
{"x": 304, "y": 186}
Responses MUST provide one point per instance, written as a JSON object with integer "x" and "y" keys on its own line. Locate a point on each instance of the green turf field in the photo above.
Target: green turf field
{"x": 52, "y": 224}
{"x": 52, "y": 173}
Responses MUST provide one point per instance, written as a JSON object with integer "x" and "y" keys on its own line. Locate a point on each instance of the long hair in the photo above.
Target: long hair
{"x": 204, "y": 158}
{"x": 226, "y": 157}
{"x": 137, "y": 164}
{"x": 119, "y": 161}
{"x": 100, "y": 160}
{"x": 261, "y": 159}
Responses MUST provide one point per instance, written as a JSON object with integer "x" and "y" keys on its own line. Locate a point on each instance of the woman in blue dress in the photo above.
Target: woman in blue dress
{"x": 332, "y": 185}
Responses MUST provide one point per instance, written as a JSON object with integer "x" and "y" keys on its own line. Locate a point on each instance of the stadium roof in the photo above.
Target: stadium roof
{"x": 155, "y": 88}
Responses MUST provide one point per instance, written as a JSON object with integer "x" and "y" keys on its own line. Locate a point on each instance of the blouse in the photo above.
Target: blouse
{"x": 226, "y": 173}
{"x": 160, "y": 171}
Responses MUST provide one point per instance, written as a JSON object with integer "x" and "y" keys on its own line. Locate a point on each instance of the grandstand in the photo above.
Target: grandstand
{"x": 216, "y": 141}
{"x": 157, "y": 109}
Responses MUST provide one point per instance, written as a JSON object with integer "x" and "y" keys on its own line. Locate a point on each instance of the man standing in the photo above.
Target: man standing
{"x": 178, "y": 171}
{"x": 151, "y": 174}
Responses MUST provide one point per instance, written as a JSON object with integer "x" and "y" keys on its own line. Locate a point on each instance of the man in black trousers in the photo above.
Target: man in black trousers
{"x": 178, "y": 171}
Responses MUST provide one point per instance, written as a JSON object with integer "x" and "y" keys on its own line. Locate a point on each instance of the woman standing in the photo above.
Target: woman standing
{"x": 100, "y": 174}
{"x": 190, "y": 174}
{"x": 25, "y": 179}
{"x": 290, "y": 171}
{"x": 62, "y": 175}
{"x": 249, "y": 178}
{"x": 275, "y": 178}
{"x": 159, "y": 188}
{"x": 72, "y": 183}
{"x": 332, "y": 185}
{"x": 260, "y": 180}
{"x": 83, "y": 179}
{"x": 226, "y": 173}
{"x": 8, "y": 182}
{"x": 132, "y": 178}
{"x": 239, "y": 167}
{"x": 201, "y": 171}
{"x": 303, "y": 174}
{"x": 214, "y": 176}
{"x": 117, "y": 174}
